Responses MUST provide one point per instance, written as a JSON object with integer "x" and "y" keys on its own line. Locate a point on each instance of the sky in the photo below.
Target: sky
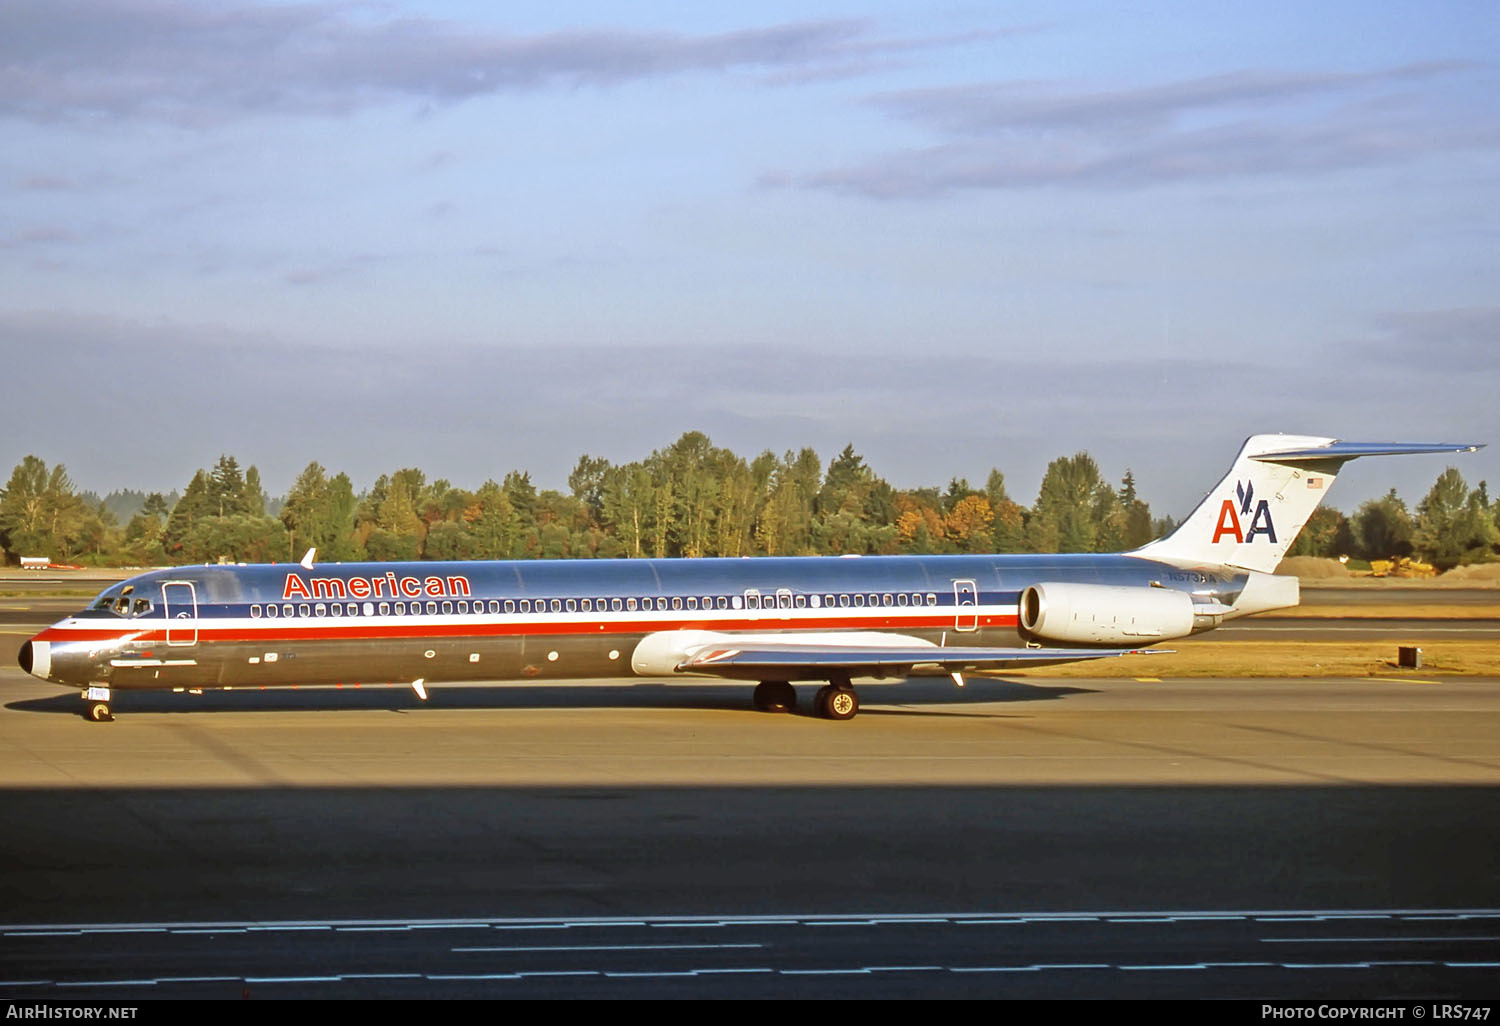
{"x": 472, "y": 237}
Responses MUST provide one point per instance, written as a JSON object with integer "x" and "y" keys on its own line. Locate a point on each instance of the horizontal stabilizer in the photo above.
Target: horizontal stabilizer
{"x": 1352, "y": 450}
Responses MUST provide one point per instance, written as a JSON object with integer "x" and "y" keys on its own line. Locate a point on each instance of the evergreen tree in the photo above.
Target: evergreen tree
{"x": 195, "y": 504}
{"x": 1383, "y": 528}
{"x": 1071, "y": 497}
{"x": 254, "y": 494}
{"x": 1137, "y": 527}
{"x": 226, "y": 488}
{"x": 1454, "y": 525}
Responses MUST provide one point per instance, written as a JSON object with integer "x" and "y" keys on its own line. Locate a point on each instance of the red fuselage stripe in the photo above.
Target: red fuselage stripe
{"x": 325, "y": 629}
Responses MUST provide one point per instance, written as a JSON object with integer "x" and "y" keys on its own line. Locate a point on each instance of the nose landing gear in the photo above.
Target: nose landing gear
{"x": 96, "y": 705}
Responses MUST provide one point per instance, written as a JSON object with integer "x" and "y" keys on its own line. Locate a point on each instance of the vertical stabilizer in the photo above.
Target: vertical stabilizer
{"x": 1251, "y": 518}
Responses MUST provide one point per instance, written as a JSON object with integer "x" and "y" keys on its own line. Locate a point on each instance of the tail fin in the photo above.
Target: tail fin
{"x": 1252, "y": 517}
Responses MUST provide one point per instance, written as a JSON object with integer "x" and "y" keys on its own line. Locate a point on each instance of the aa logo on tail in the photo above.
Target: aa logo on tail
{"x": 1231, "y": 522}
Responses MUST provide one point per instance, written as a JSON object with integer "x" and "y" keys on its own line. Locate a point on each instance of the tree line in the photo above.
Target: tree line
{"x": 690, "y": 498}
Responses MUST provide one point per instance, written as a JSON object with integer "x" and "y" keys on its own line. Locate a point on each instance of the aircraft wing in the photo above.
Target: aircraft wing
{"x": 765, "y": 660}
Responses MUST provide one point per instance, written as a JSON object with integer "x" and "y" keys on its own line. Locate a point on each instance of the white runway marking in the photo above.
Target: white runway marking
{"x": 956, "y": 918}
{"x": 612, "y": 947}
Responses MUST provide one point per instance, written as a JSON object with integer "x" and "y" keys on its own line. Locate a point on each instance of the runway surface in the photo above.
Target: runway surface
{"x": 1078, "y": 838}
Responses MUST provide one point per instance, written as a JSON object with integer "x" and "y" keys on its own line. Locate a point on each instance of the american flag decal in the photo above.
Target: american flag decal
{"x": 1315, "y": 482}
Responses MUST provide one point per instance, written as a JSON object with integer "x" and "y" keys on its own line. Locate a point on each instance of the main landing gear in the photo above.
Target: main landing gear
{"x": 774, "y": 696}
{"x": 834, "y": 701}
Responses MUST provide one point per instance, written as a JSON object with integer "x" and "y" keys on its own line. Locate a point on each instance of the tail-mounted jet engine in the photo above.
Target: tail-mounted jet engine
{"x": 1096, "y": 614}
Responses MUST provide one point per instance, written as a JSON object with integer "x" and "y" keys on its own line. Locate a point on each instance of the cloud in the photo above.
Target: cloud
{"x": 1028, "y": 134}
{"x": 185, "y": 62}
{"x": 317, "y": 274}
{"x": 186, "y": 393}
{"x": 1464, "y": 341}
{"x": 44, "y": 235}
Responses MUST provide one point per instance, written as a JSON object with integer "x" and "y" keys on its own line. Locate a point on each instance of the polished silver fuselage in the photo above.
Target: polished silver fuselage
{"x": 266, "y": 625}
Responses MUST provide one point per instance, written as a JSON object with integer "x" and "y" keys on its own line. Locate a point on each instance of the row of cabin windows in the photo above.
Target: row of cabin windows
{"x": 752, "y": 600}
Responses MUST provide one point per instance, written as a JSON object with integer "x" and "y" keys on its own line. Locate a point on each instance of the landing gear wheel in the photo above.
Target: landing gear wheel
{"x": 836, "y": 703}
{"x": 775, "y": 696}
{"x": 98, "y": 712}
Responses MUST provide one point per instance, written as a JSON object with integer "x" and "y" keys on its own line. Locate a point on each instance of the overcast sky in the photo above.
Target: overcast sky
{"x": 472, "y": 237}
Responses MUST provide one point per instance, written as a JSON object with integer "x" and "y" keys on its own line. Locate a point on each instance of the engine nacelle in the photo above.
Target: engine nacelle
{"x": 1105, "y": 615}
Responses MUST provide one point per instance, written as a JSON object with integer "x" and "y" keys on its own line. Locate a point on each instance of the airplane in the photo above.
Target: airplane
{"x": 770, "y": 620}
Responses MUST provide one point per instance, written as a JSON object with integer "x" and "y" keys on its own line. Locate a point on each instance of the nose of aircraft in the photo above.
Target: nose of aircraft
{"x": 35, "y": 658}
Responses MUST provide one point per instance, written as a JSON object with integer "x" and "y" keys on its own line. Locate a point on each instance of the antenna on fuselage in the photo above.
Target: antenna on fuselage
{"x": 307, "y": 560}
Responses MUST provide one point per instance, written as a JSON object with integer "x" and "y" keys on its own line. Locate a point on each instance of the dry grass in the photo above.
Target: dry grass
{"x": 1393, "y": 611}
{"x": 1288, "y": 659}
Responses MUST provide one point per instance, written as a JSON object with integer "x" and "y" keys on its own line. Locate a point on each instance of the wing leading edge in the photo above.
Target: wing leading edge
{"x": 802, "y": 661}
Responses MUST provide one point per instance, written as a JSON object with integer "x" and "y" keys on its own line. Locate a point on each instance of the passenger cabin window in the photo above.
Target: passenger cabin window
{"x": 255, "y": 611}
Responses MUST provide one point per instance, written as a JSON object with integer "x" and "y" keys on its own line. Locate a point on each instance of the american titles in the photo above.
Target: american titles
{"x": 388, "y": 586}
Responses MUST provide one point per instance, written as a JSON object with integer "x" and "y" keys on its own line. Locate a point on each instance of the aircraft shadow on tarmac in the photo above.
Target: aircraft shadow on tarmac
{"x": 915, "y": 697}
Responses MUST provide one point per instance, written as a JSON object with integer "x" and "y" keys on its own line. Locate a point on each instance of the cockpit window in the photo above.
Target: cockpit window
{"x": 121, "y": 601}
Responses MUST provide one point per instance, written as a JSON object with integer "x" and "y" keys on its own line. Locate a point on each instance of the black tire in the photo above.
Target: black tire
{"x": 98, "y": 712}
{"x": 775, "y": 696}
{"x": 837, "y": 703}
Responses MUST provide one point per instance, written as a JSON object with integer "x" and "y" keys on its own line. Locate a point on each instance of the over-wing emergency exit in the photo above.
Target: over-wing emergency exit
{"x": 775, "y": 621}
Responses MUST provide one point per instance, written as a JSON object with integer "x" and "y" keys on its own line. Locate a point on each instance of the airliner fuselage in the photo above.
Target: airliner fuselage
{"x": 215, "y": 626}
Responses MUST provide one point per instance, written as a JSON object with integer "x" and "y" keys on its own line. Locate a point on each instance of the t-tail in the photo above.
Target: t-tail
{"x": 1250, "y": 519}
